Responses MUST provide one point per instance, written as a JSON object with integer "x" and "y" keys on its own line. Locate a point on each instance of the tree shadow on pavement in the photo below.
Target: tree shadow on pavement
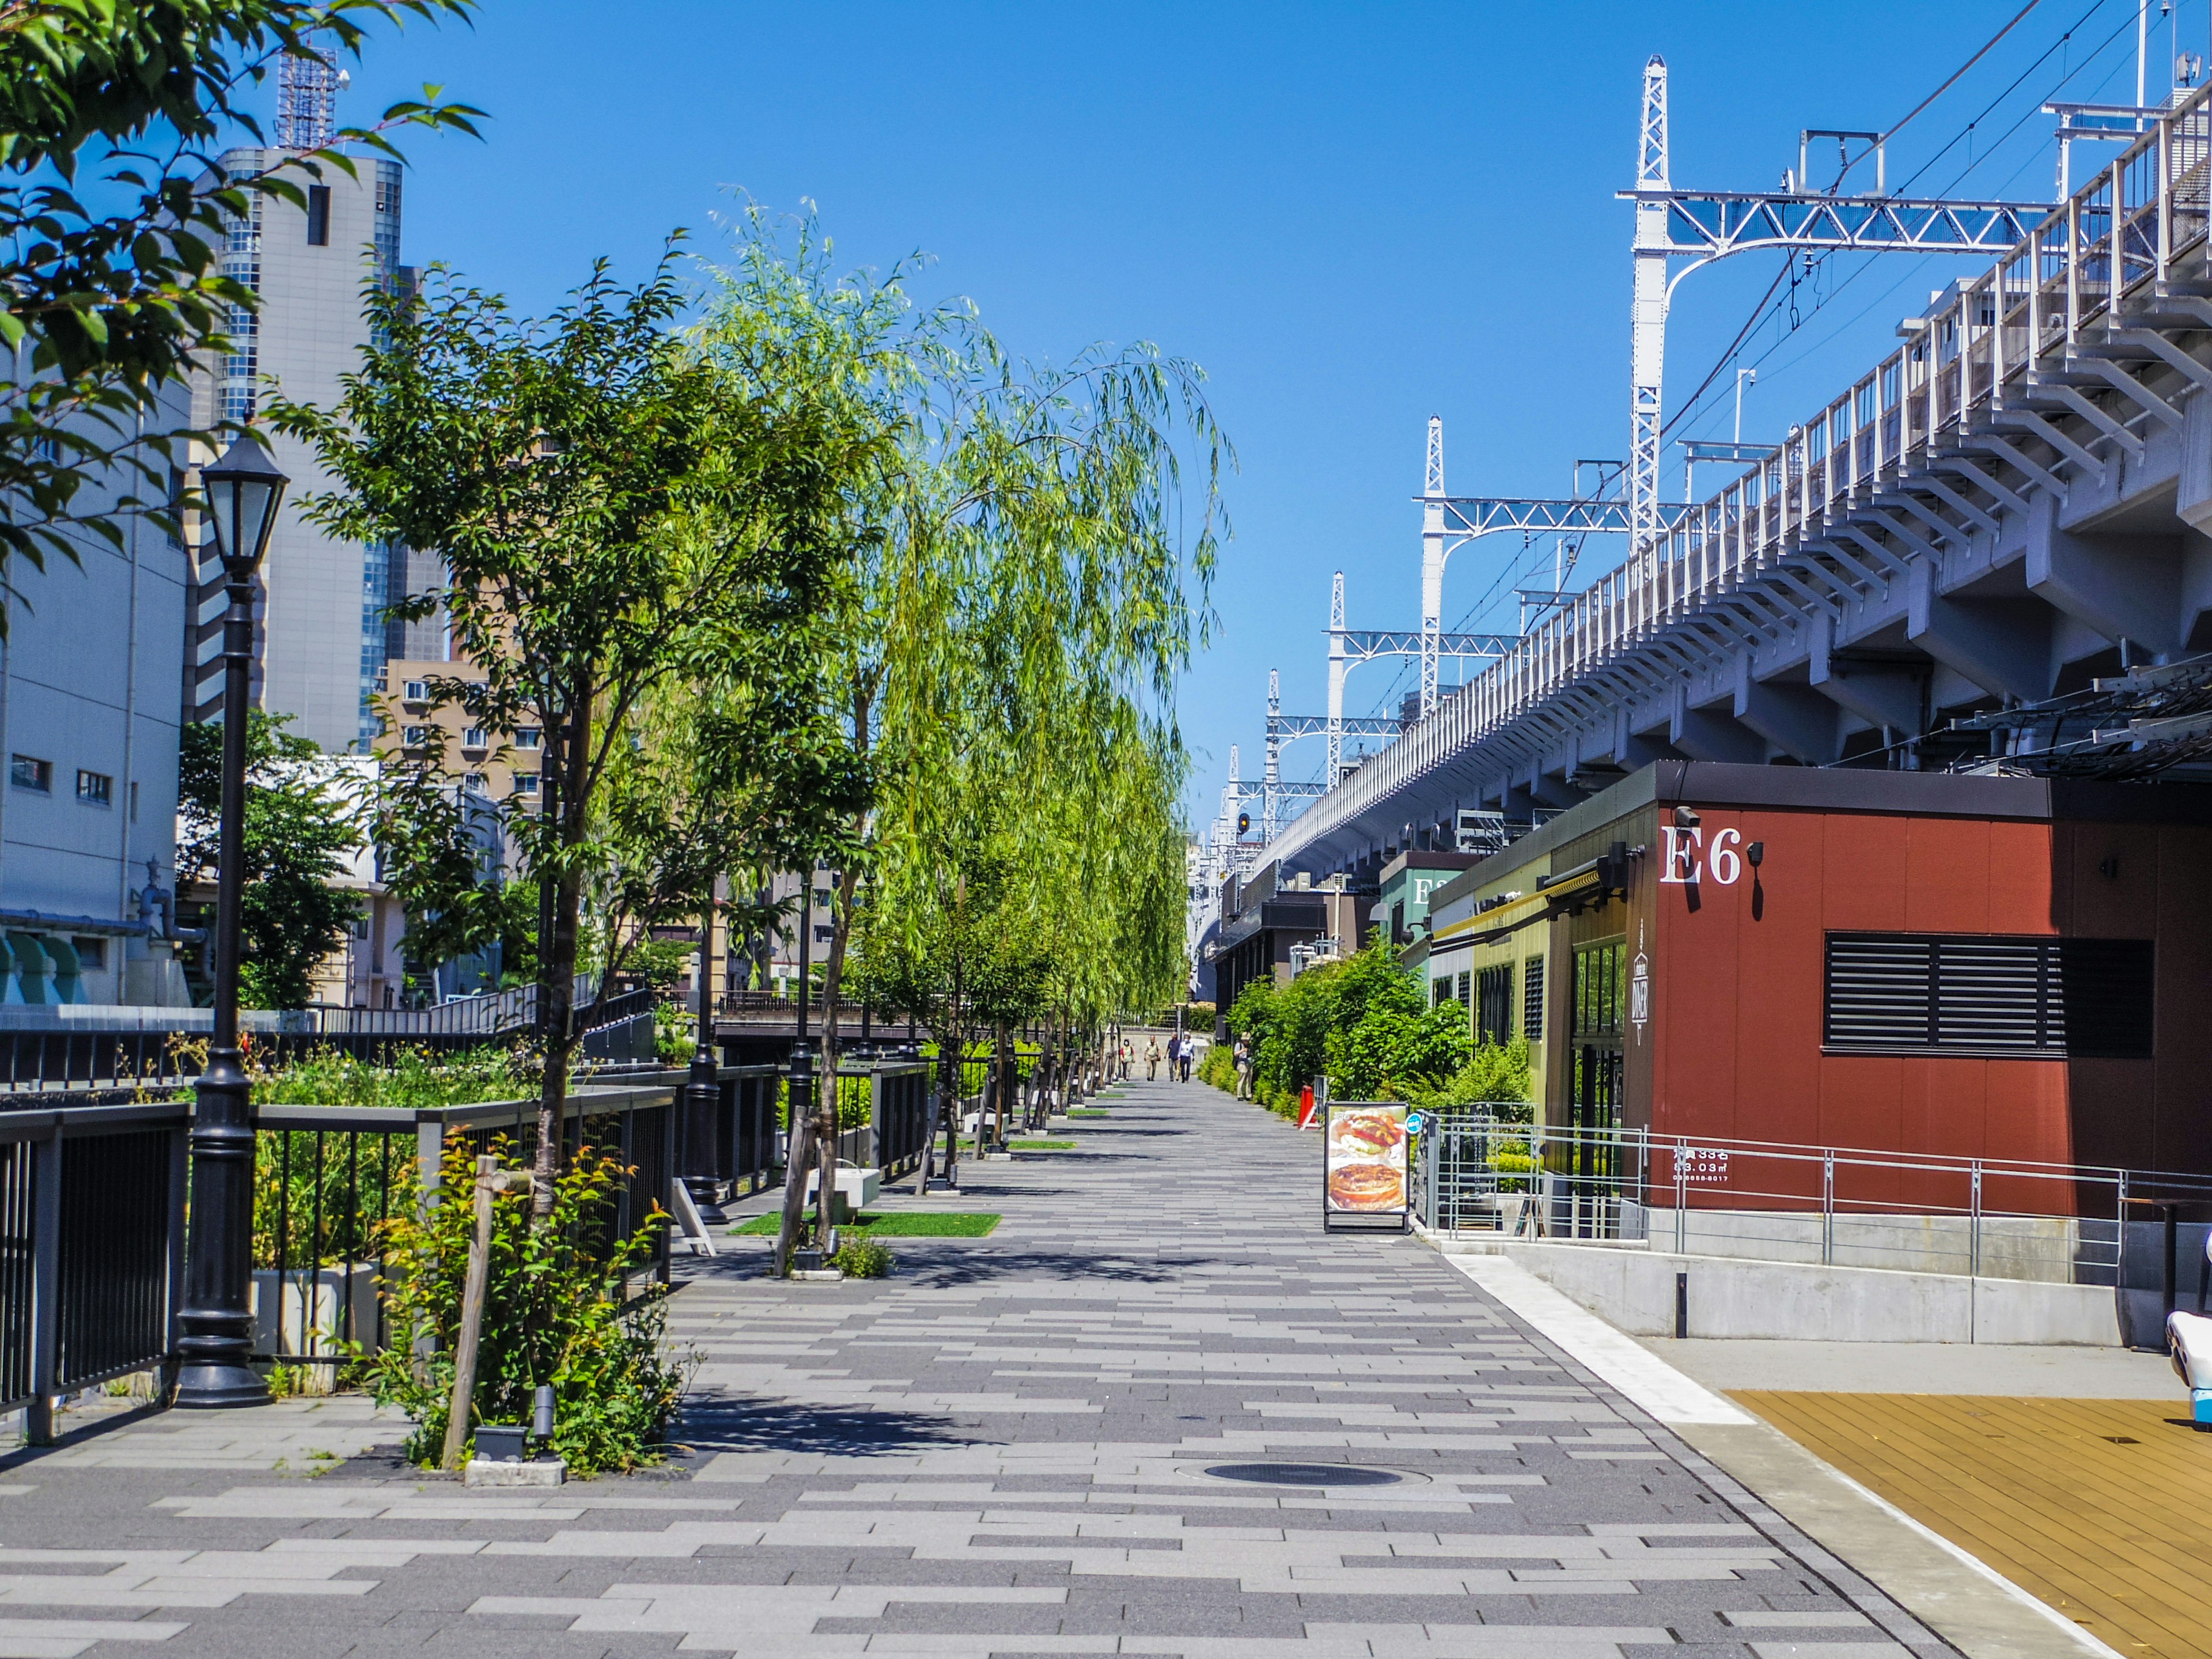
{"x": 706, "y": 1424}
{"x": 976, "y": 1267}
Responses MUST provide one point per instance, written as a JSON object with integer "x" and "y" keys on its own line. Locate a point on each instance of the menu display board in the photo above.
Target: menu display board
{"x": 1364, "y": 1164}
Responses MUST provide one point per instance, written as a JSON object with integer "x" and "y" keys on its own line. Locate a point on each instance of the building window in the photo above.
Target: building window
{"x": 1493, "y": 1004}
{"x": 478, "y": 782}
{"x": 1531, "y": 1000}
{"x": 1440, "y": 991}
{"x": 1600, "y": 991}
{"x": 525, "y": 783}
{"x": 1989, "y": 994}
{"x": 27, "y": 772}
{"x": 473, "y": 737}
{"x": 530, "y": 737}
{"x": 91, "y": 952}
{"x": 415, "y": 736}
{"x": 134, "y": 803}
{"x": 319, "y": 215}
{"x": 1463, "y": 983}
{"x": 416, "y": 691}
{"x": 822, "y": 933}
{"x": 95, "y": 788}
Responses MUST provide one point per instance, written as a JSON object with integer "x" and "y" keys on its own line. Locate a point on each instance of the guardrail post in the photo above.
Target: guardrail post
{"x": 45, "y": 1285}
{"x": 2163, "y": 205}
{"x": 1827, "y": 1207}
{"x": 1974, "y": 1234}
{"x": 2120, "y": 1245}
{"x": 1681, "y": 1197}
{"x": 180, "y": 1163}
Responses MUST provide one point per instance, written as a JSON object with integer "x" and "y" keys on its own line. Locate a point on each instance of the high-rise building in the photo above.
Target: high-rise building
{"x": 322, "y": 637}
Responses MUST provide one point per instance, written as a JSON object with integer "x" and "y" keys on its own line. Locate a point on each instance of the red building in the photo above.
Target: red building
{"x": 1978, "y": 967}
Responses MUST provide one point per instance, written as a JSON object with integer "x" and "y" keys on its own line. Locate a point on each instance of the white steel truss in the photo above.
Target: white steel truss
{"x": 1702, "y": 226}
{"x": 1972, "y": 409}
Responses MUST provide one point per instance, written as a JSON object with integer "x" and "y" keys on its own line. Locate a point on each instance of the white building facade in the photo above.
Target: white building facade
{"x": 89, "y": 725}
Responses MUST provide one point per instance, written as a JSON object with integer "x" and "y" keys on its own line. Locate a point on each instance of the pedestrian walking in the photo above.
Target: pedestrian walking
{"x": 1243, "y": 1069}
{"x": 1190, "y": 1047}
{"x": 1128, "y": 1053}
{"x": 1152, "y": 1060}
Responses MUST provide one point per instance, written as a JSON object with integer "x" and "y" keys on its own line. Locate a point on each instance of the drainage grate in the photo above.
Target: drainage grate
{"x": 1304, "y": 1474}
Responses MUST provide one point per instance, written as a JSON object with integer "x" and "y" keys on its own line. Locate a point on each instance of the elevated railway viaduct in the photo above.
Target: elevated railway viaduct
{"x": 2017, "y": 502}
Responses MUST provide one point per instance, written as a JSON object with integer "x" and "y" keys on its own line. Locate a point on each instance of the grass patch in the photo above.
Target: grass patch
{"x": 901, "y": 1224}
{"x": 1042, "y": 1145}
{"x": 1089, "y": 1111}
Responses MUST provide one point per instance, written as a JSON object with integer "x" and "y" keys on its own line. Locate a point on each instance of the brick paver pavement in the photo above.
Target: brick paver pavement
{"x": 1003, "y": 1449}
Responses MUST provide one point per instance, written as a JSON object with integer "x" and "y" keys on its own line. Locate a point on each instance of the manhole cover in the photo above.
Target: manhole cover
{"x": 1304, "y": 1474}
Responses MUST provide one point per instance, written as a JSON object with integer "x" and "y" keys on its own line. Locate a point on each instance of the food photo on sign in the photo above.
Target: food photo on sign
{"x": 1365, "y": 1153}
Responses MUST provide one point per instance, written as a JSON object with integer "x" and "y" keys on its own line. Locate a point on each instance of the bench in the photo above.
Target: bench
{"x": 856, "y": 1189}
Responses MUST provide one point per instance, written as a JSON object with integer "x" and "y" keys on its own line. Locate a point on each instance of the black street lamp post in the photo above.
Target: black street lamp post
{"x": 702, "y": 1091}
{"x": 243, "y": 490}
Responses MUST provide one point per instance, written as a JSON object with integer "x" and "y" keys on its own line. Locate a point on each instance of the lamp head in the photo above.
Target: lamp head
{"x": 243, "y": 490}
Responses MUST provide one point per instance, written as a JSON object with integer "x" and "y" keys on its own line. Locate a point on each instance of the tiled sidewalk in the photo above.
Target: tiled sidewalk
{"x": 1001, "y": 1450}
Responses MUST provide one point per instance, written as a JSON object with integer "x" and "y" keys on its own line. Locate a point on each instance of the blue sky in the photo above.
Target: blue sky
{"x": 1351, "y": 217}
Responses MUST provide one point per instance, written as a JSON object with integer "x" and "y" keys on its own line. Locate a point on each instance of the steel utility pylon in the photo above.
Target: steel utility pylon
{"x": 1702, "y": 226}
{"x": 1448, "y": 523}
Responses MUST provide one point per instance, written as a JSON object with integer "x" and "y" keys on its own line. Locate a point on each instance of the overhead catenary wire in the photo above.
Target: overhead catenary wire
{"x": 1690, "y": 405}
{"x": 1810, "y": 346}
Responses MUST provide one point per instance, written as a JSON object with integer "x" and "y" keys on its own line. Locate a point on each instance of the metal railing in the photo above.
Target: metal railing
{"x": 1476, "y": 1171}
{"x": 92, "y": 1206}
{"x": 2122, "y": 234}
{"x": 153, "y": 1059}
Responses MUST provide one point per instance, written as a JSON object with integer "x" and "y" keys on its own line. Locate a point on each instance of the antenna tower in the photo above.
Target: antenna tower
{"x": 307, "y": 99}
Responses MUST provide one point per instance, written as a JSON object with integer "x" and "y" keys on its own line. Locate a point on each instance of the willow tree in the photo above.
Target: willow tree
{"x": 608, "y": 506}
{"x": 1027, "y": 549}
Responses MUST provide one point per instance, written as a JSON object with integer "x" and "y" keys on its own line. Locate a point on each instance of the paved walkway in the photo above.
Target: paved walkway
{"x": 1004, "y": 1450}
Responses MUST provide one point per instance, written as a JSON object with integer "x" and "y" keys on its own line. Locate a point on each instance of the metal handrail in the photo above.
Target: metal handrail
{"x": 1603, "y": 1172}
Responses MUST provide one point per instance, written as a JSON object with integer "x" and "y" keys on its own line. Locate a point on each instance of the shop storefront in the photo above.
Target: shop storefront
{"x": 1980, "y": 966}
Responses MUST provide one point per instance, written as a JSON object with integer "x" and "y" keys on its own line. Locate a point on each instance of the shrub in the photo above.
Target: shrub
{"x": 675, "y": 1034}
{"x": 1495, "y": 1074}
{"x": 323, "y": 1191}
{"x": 1364, "y": 1022}
{"x": 412, "y": 1080}
{"x": 554, "y": 1312}
{"x": 1219, "y": 1067}
{"x": 861, "y": 1258}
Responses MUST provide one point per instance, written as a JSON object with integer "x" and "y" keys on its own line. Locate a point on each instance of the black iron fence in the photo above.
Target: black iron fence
{"x": 328, "y": 1176}
{"x": 113, "y": 1066}
{"x": 91, "y": 1249}
{"x": 94, "y": 1198}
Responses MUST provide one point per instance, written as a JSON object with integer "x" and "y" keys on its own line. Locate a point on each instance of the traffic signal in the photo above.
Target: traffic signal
{"x": 1243, "y": 822}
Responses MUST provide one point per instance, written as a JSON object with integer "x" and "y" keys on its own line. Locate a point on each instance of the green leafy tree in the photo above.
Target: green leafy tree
{"x": 608, "y": 504}
{"x": 302, "y": 824}
{"x": 1362, "y": 1023}
{"x": 555, "y": 1311}
{"x": 112, "y": 210}
{"x": 1021, "y": 606}
{"x": 966, "y": 958}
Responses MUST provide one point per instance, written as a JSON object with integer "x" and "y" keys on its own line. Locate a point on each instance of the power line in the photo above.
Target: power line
{"x": 1758, "y": 312}
{"x": 2086, "y": 65}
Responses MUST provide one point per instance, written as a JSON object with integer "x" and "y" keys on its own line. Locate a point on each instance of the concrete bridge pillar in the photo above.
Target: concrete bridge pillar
{"x": 2002, "y": 646}
{"x": 1703, "y": 735}
{"x": 2126, "y": 588}
{"x": 1880, "y": 695}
